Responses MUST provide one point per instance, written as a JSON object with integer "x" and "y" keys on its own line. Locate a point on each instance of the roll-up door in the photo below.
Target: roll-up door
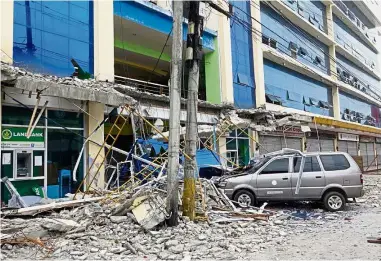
{"x": 378, "y": 148}
{"x": 293, "y": 143}
{"x": 312, "y": 144}
{"x": 371, "y": 156}
{"x": 367, "y": 153}
{"x": 269, "y": 143}
{"x": 348, "y": 146}
{"x": 352, "y": 148}
{"x": 363, "y": 154}
{"x": 325, "y": 144}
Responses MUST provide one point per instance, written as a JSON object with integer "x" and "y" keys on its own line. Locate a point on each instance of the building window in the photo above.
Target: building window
{"x": 48, "y": 34}
{"x": 238, "y": 148}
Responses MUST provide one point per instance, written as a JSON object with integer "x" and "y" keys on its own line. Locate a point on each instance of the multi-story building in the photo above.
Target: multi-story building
{"x": 319, "y": 58}
{"x": 314, "y": 58}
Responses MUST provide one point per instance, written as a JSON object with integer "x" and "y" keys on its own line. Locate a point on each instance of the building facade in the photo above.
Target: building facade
{"x": 315, "y": 58}
{"x": 318, "y": 58}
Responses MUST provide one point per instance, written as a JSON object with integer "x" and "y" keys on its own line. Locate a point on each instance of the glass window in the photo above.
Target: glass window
{"x": 277, "y": 166}
{"x": 311, "y": 164}
{"x": 63, "y": 151}
{"x": 231, "y": 144}
{"x": 19, "y": 116}
{"x": 334, "y": 162}
{"x": 65, "y": 118}
{"x": 24, "y": 164}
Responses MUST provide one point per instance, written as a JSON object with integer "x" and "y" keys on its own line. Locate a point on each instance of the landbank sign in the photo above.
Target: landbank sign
{"x": 15, "y": 137}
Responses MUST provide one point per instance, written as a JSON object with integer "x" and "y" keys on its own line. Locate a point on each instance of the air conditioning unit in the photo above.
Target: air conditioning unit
{"x": 360, "y": 115}
{"x": 358, "y": 23}
{"x": 293, "y": 47}
{"x": 357, "y": 85}
{"x": 269, "y": 41}
{"x": 318, "y": 60}
{"x": 352, "y": 118}
{"x": 346, "y": 117}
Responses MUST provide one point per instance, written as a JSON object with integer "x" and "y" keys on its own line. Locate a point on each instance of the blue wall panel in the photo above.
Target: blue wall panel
{"x": 279, "y": 80}
{"x": 364, "y": 78}
{"x": 276, "y": 27}
{"x": 154, "y": 17}
{"x": 60, "y": 30}
{"x": 353, "y": 43}
{"x": 348, "y": 101}
{"x": 242, "y": 58}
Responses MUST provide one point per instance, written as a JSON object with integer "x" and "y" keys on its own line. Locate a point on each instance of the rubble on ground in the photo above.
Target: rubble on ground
{"x": 94, "y": 231}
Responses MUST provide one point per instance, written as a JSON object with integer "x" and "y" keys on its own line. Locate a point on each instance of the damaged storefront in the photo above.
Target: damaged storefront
{"x": 40, "y": 163}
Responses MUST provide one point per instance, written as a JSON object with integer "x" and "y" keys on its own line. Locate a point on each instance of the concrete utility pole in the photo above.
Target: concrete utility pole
{"x": 193, "y": 57}
{"x": 174, "y": 123}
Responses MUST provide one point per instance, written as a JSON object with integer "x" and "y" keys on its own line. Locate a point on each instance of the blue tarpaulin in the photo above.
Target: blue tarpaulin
{"x": 205, "y": 158}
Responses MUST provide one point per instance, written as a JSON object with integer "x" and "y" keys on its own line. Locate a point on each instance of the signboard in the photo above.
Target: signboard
{"x": 15, "y": 137}
{"x": 349, "y": 137}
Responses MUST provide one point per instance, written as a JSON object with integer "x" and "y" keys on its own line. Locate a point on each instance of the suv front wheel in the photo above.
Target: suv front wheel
{"x": 244, "y": 198}
{"x": 334, "y": 201}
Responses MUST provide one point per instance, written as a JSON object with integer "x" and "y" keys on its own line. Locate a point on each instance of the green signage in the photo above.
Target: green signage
{"x": 16, "y": 137}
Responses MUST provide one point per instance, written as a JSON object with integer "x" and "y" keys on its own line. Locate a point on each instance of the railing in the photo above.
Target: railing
{"x": 143, "y": 86}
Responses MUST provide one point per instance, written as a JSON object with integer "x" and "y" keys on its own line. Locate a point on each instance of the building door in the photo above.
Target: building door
{"x": 348, "y": 146}
{"x": 269, "y": 143}
{"x": 325, "y": 144}
{"x": 367, "y": 154}
{"x": 294, "y": 143}
{"x": 378, "y": 150}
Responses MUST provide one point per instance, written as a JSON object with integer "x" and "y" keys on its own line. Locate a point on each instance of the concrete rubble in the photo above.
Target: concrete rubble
{"x": 93, "y": 231}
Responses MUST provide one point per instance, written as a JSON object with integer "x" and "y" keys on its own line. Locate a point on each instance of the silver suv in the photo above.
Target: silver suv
{"x": 330, "y": 177}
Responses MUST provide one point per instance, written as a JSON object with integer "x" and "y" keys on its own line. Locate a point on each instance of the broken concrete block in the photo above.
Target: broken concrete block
{"x": 59, "y": 225}
{"x": 149, "y": 211}
{"x": 118, "y": 219}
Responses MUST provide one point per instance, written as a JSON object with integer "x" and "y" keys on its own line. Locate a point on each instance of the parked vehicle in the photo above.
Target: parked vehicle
{"x": 330, "y": 177}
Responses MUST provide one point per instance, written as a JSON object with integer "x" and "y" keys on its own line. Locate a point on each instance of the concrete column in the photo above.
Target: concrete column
{"x": 6, "y": 21}
{"x": 222, "y": 149}
{"x": 304, "y": 140}
{"x": 260, "y": 94}
{"x": 226, "y": 70}
{"x": 97, "y": 111}
{"x": 335, "y": 143}
{"x": 104, "y": 40}
{"x": 329, "y": 20}
{"x": 336, "y": 102}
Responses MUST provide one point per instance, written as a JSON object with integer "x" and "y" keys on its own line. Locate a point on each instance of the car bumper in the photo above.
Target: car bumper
{"x": 354, "y": 192}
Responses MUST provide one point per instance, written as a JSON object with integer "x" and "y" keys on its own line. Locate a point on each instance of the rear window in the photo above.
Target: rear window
{"x": 334, "y": 162}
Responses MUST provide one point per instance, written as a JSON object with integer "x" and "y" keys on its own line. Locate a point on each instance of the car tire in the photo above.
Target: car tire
{"x": 244, "y": 198}
{"x": 334, "y": 201}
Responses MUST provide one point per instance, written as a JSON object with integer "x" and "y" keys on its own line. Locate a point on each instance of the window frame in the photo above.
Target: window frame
{"x": 271, "y": 161}
{"x": 309, "y": 156}
{"x": 333, "y": 155}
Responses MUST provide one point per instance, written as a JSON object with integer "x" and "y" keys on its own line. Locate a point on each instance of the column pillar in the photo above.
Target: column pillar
{"x": 6, "y": 21}
{"x": 222, "y": 149}
{"x": 104, "y": 40}
{"x": 97, "y": 111}
{"x": 332, "y": 62}
{"x": 226, "y": 69}
{"x": 260, "y": 94}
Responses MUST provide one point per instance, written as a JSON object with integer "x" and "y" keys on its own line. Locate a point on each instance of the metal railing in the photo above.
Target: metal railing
{"x": 143, "y": 86}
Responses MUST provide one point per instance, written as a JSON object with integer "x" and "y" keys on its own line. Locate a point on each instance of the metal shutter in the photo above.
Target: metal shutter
{"x": 352, "y": 148}
{"x": 363, "y": 154}
{"x": 378, "y": 148}
{"x": 370, "y": 153}
{"x": 327, "y": 145}
{"x": 312, "y": 144}
{"x": 293, "y": 143}
{"x": 342, "y": 146}
{"x": 269, "y": 144}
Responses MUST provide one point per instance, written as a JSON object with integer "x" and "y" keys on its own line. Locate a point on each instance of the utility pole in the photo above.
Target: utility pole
{"x": 193, "y": 58}
{"x": 174, "y": 123}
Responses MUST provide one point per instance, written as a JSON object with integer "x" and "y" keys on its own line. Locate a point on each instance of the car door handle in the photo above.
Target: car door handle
{"x": 285, "y": 178}
{"x": 318, "y": 177}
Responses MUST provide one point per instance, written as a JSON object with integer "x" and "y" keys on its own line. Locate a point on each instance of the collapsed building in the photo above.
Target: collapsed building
{"x": 76, "y": 125}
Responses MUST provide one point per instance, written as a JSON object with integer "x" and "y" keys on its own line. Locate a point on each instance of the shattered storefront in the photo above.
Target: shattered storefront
{"x": 41, "y": 162}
